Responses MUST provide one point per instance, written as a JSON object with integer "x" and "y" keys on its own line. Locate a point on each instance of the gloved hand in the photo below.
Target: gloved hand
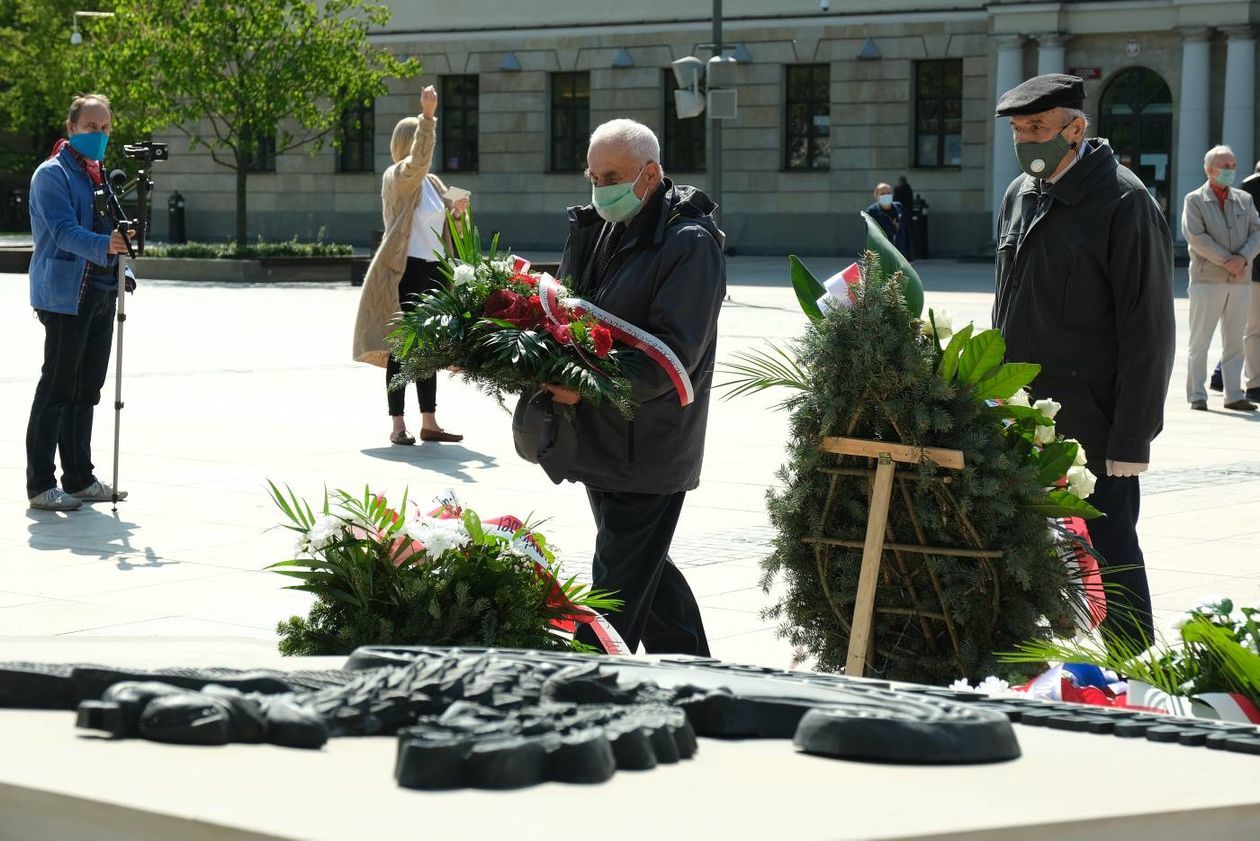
{"x": 1125, "y": 468}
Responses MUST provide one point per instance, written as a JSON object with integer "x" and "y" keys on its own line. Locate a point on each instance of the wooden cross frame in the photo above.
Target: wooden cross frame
{"x": 887, "y": 455}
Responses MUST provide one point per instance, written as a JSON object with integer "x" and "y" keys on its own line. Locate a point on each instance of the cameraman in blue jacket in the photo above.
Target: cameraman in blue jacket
{"x": 73, "y": 291}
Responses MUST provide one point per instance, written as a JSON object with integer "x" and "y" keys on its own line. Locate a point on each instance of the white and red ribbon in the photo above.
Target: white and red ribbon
{"x": 556, "y": 308}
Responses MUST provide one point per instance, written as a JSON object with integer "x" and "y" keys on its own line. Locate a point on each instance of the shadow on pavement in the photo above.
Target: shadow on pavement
{"x": 447, "y": 459}
{"x": 88, "y": 531}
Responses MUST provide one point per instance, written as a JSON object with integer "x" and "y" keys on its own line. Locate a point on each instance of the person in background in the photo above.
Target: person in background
{"x": 1251, "y": 336}
{"x": 74, "y": 288}
{"x": 1223, "y": 235}
{"x": 894, "y": 218}
{"x": 414, "y": 203}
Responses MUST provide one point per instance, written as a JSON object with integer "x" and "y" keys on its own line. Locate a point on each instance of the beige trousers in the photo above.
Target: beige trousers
{"x": 1227, "y": 304}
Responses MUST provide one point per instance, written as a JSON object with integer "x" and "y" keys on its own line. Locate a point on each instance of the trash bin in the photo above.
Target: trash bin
{"x": 919, "y": 227}
{"x": 175, "y": 229}
{"x": 18, "y": 218}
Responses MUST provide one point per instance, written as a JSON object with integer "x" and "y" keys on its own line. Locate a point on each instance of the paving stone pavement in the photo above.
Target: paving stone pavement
{"x": 229, "y": 385}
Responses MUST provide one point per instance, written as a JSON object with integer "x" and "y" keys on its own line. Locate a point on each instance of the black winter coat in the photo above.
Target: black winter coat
{"x": 667, "y": 276}
{"x": 1252, "y": 185}
{"x": 1084, "y": 288}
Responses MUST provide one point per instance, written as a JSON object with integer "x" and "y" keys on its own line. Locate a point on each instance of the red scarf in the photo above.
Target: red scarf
{"x": 92, "y": 168}
{"x": 1221, "y": 193}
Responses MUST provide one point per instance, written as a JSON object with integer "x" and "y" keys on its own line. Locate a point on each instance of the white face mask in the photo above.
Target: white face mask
{"x": 885, "y": 201}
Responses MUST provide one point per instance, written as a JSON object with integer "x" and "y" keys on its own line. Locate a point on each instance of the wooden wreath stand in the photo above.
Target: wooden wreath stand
{"x": 887, "y": 456}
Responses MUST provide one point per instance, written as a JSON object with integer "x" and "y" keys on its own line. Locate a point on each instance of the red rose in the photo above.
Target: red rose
{"x": 521, "y": 277}
{"x": 602, "y": 337}
{"x": 536, "y": 314}
{"x": 500, "y": 303}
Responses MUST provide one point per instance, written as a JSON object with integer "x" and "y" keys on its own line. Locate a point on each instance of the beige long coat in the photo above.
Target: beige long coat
{"x": 400, "y": 193}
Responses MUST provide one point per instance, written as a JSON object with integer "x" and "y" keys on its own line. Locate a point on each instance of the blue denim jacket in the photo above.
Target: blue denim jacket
{"x": 65, "y": 227}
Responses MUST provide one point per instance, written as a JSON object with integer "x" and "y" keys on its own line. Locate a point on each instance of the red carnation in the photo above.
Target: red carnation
{"x": 602, "y": 337}
{"x": 521, "y": 277}
{"x": 560, "y": 332}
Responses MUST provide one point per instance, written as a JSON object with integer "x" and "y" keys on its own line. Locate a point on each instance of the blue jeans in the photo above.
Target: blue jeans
{"x": 76, "y": 360}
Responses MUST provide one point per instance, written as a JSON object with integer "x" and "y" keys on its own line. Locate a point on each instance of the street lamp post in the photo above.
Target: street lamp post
{"x": 76, "y": 37}
{"x": 715, "y": 125}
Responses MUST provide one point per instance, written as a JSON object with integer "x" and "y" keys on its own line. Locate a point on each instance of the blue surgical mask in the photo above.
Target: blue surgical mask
{"x": 618, "y": 202}
{"x": 1225, "y": 177}
{"x": 90, "y": 144}
{"x": 885, "y": 200}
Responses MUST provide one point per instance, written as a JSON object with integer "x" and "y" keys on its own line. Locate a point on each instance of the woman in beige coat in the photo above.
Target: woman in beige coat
{"x": 415, "y": 202}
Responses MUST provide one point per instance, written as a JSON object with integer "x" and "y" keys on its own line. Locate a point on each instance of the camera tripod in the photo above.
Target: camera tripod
{"x": 146, "y": 153}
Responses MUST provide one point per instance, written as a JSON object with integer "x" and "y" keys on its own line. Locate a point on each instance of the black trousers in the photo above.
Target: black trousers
{"x": 1115, "y": 538}
{"x": 633, "y": 533}
{"x": 76, "y": 360}
{"x": 421, "y": 276}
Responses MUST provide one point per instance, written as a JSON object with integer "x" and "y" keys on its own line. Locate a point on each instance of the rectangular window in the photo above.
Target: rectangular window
{"x": 807, "y": 124}
{"x": 460, "y": 106}
{"x": 938, "y": 113}
{"x": 683, "y": 138}
{"x": 570, "y": 120}
{"x": 262, "y": 157}
{"x": 357, "y": 138}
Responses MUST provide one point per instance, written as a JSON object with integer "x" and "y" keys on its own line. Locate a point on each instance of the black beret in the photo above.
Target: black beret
{"x": 1043, "y": 93}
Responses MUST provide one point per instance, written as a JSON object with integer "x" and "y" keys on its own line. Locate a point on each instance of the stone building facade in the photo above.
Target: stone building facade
{"x": 830, "y": 102}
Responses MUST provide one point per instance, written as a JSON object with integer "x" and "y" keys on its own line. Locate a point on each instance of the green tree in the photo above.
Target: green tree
{"x": 229, "y": 73}
{"x": 41, "y": 71}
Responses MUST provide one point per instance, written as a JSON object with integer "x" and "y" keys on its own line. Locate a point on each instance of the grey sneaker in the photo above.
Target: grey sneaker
{"x": 55, "y": 499}
{"x": 98, "y": 492}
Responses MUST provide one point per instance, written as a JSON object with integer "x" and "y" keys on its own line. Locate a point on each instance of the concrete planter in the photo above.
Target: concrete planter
{"x": 275, "y": 270}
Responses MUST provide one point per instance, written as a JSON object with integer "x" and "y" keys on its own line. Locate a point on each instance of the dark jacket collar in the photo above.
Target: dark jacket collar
{"x": 670, "y": 202}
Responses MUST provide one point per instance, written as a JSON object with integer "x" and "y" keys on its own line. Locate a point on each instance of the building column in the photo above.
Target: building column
{"x": 1238, "y": 129}
{"x": 1010, "y": 72}
{"x": 1050, "y": 53}
{"x": 1192, "y": 119}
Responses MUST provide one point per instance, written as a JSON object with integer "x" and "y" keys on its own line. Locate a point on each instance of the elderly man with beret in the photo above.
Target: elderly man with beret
{"x": 1084, "y": 289}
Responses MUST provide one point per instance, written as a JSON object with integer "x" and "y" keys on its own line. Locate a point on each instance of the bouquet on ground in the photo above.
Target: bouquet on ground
{"x": 509, "y": 330}
{"x": 388, "y": 577}
{"x": 1211, "y": 670}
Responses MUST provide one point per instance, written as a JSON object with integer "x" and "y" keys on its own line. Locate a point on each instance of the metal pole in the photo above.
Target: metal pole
{"x": 121, "y": 316}
{"x": 715, "y": 126}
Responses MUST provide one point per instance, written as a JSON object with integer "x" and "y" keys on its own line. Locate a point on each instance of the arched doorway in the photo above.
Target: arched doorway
{"x": 1135, "y": 114}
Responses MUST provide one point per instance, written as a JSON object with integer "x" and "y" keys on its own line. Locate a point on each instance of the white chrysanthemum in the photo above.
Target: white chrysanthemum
{"x": 438, "y": 536}
{"x": 1081, "y": 482}
{"x": 1048, "y": 407}
{"x": 1019, "y": 398}
{"x": 464, "y": 273}
{"x": 962, "y": 685}
{"x": 1080, "y": 452}
{"x": 1044, "y": 435}
{"x": 995, "y": 687}
{"x": 322, "y": 531}
{"x": 501, "y": 266}
{"x": 302, "y": 545}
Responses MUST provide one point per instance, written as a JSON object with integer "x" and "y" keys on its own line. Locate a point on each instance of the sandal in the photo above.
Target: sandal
{"x": 403, "y": 437}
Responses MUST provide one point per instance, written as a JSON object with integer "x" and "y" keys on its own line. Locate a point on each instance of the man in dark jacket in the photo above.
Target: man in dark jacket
{"x": 1251, "y": 184}
{"x": 894, "y": 218}
{"x": 1084, "y": 288}
{"x": 647, "y": 251}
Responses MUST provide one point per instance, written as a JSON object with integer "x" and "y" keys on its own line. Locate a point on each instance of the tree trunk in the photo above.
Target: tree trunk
{"x": 242, "y": 172}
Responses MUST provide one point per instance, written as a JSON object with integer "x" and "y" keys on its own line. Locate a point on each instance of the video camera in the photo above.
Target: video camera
{"x": 147, "y": 151}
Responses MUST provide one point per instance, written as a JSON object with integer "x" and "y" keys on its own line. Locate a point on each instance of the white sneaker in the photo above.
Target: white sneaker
{"x": 55, "y": 499}
{"x": 98, "y": 492}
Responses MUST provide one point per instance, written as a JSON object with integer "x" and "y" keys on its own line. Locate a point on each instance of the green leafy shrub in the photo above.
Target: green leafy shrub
{"x": 258, "y": 250}
{"x": 383, "y": 578}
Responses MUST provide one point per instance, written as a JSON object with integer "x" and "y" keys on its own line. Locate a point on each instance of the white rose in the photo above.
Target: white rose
{"x": 944, "y": 325}
{"x": 464, "y": 273}
{"x": 1080, "y": 482}
{"x": 1080, "y": 452}
{"x": 1044, "y": 435}
{"x": 1048, "y": 407}
{"x": 1019, "y": 398}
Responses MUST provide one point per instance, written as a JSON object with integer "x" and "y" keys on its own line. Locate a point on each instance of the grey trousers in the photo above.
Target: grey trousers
{"x": 1228, "y": 304}
{"x": 1251, "y": 341}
